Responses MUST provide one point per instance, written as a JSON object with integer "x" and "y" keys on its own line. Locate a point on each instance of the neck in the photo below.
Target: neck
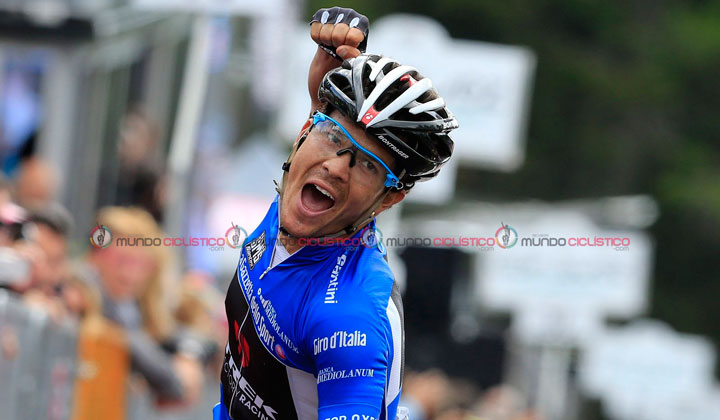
{"x": 290, "y": 243}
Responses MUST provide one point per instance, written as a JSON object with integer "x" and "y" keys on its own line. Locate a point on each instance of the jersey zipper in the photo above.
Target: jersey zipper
{"x": 263, "y": 274}
{"x": 272, "y": 257}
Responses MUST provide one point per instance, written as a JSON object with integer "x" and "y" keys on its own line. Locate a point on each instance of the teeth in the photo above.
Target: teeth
{"x": 325, "y": 192}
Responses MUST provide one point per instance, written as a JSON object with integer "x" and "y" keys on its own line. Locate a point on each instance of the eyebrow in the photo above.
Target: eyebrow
{"x": 391, "y": 174}
{"x": 336, "y": 130}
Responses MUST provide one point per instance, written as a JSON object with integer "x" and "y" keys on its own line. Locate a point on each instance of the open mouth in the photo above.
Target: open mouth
{"x": 316, "y": 199}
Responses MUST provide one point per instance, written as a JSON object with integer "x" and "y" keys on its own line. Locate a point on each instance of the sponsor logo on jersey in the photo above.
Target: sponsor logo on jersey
{"x": 330, "y": 374}
{"x": 333, "y": 285}
{"x": 243, "y": 393}
{"x": 280, "y": 352}
{"x": 245, "y": 281}
{"x": 263, "y": 332}
{"x": 339, "y": 339}
{"x": 243, "y": 347}
{"x": 255, "y": 249}
{"x": 352, "y": 417}
{"x": 272, "y": 317}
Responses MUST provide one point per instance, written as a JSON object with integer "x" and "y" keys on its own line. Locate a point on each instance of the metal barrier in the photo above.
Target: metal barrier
{"x": 62, "y": 371}
{"x": 37, "y": 362}
{"x": 9, "y": 349}
{"x": 141, "y": 406}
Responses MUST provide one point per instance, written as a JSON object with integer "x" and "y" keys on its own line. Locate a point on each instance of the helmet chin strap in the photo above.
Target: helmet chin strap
{"x": 360, "y": 222}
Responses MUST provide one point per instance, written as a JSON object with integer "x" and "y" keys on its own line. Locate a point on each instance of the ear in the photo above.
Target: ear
{"x": 392, "y": 198}
{"x": 305, "y": 130}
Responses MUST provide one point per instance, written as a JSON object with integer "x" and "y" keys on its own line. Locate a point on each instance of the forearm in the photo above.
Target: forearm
{"x": 321, "y": 64}
{"x": 341, "y": 34}
{"x": 155, "y": 365}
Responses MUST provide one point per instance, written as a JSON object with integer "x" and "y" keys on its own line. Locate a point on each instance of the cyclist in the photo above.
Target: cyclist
{"x": 315, "y": 319}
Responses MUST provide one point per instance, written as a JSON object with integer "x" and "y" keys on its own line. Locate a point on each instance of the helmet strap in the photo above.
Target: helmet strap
{"x": 286, "y": 165}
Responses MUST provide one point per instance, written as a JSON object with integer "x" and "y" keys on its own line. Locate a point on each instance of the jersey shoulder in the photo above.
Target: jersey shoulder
{"x": 356, "y": 343}
{"x": 367, "y": 280}
{"x": 358, "y": 292}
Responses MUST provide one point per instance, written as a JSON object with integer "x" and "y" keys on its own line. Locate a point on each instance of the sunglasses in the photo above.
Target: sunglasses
{"x": 343, "y": 142}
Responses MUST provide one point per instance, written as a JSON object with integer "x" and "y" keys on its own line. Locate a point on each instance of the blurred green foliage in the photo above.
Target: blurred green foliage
{"x": 626, "y": 101}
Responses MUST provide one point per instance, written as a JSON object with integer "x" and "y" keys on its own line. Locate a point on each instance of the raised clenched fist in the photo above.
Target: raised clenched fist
{"x": 340, "y": 32}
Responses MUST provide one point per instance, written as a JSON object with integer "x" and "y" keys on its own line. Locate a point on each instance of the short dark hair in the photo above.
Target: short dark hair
{"x": 54, "y": 216}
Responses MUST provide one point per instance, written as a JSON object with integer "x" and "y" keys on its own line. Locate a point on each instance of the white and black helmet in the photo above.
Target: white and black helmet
{"x": 399, "y": 107}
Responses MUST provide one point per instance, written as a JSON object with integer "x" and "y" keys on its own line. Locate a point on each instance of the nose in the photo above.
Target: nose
{"x": 352, "y": 154}
{"x": 338, "y": 165}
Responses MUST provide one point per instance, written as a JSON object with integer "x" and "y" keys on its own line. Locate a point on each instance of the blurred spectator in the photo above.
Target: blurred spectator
{"x": 425, "y": 393}
{"x": 33, "y": 252}
{"x": 202, "y": 311}
{"x": 201, "y": 305}
{"x": 36, "y": 184}
{"x": 139, "y": 176}
{"x": 134, "y": 292}
{"x": 5, "y": 192}
{"x": 15, "y": 268}
{"x": 45, "y": 234}
{"x": 49, "y": 230}
{"x": 462, "y": 397}
{"x": 432, "y": 395}
{"x": 80, "y": 299}
{"x": 503, "y": 402}
{"x": 7, "y": 211}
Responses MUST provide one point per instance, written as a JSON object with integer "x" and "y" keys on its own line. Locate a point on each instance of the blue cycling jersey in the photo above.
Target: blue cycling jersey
{"x": 319, "y": 336}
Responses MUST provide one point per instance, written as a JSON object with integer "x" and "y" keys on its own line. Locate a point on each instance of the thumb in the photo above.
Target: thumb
{"x": 347, "y": 52}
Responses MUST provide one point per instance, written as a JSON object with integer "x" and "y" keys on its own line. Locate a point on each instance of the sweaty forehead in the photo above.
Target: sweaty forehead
{"x": 365, "y": 140}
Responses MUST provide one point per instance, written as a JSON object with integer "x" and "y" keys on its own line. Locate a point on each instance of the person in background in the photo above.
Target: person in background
{"x": 9, "y": 212}
{"x": 135, "y": 293}
{"x": 504, "y": 402}
{"x": 200, "y": 312}
{"x": 34, "y": 252}
{"x": 15, "y": 268}
{"x": 47, "y": 232}
{"x": 140, "y": 175}
{"x": 5, "y": 191}
{"x": 425, "y": 393}
{"x": 36, "y": 184}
